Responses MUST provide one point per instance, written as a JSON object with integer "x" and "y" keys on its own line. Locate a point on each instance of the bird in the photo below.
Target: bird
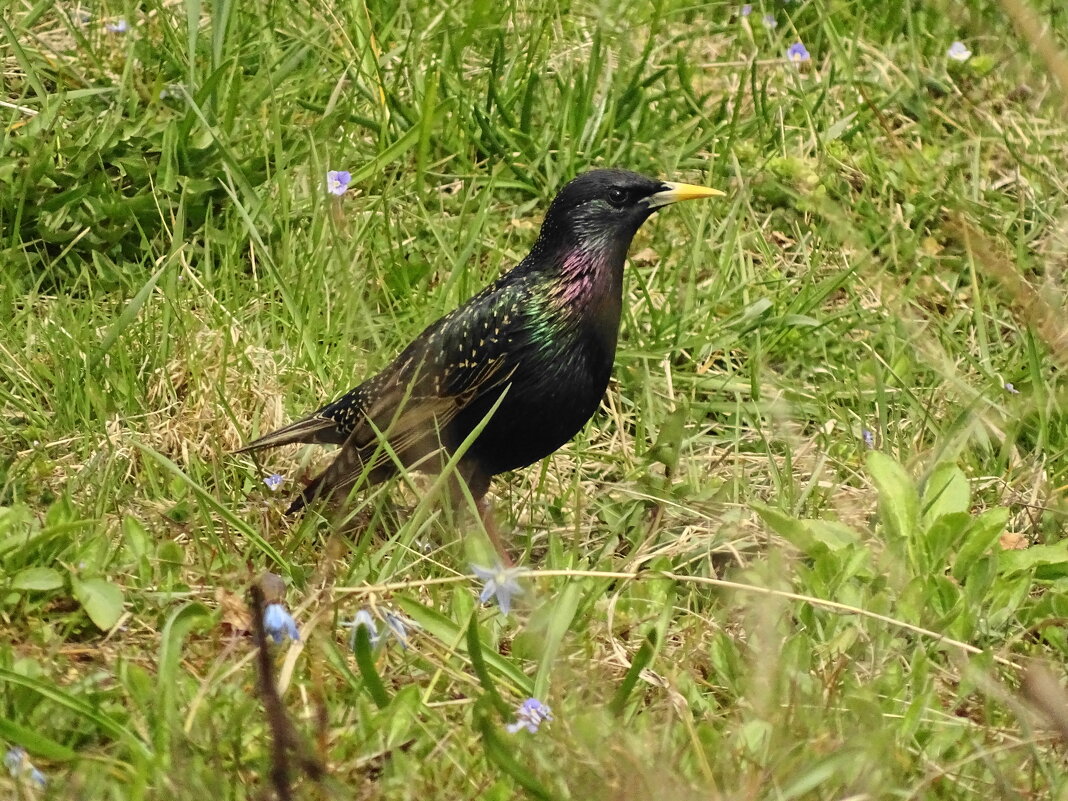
{"x": 512, "y": 374}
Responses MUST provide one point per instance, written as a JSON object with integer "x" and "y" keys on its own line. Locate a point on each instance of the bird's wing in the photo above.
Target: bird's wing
{"x": 459, "y": 359}
{"x": 409, "y": 423}
{"x": 422, "y": 402}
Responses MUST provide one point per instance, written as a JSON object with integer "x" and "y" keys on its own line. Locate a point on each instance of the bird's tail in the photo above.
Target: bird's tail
{"x": 310, "y": 430}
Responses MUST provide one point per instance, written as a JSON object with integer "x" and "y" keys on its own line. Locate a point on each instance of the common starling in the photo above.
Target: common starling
{"x": 528, "y": 357}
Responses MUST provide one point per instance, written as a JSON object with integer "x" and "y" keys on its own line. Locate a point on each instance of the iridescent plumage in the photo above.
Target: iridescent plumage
{"x": 538, "y": 343}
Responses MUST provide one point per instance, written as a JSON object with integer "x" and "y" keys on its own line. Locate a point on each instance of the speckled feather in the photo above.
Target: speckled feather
{"x": 543, "y": 336}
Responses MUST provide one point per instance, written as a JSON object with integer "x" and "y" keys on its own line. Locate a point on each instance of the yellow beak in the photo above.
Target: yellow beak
{"x": 676, "y": 192}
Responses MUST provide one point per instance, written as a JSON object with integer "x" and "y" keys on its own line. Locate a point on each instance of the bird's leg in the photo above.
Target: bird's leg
{"x": 489, "y": 523}
{"x": 478, "y": 485}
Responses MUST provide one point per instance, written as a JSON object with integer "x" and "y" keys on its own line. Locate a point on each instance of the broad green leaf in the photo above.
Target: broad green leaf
{"x": 137, "y": 539}
{"x": 945, "y": 492}
{"x": 100, "y": 599}
{"x": 1048, "y": 561}
{"x": 942, "y": 538}
{"x": 899, "y": 503}
{"x": 179, "y": 624}
{"x": 980, "y": 538}
{"x": 561, "y": 615}
{"x": 37, "y": 579}
{"x": 810, "y": 536}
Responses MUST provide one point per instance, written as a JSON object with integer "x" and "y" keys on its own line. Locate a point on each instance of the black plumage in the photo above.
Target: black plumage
{"x": 537, "y": 344}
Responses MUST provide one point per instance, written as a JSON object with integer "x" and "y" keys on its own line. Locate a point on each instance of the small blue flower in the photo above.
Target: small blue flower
{"x": 398, "y": 627}
{"x": 19, "y": 765}
{"x": 1011, "y": 389}
{"x": 797, "y": 53}
{"x": 279, "y": 624}
{"x": 274, "y": 481}
{"x": 117, "y": 27}
{"x": 747, "y": 9}
{"x": 500, "y": 583}
{"x": 337, "y": 181}
{"x": 958, "y": 52}
{"x": 770, "y": 21}
{"x": 869, "y": 439}
{"x": 530, "y": 715}
{"x": 363, "y": 619}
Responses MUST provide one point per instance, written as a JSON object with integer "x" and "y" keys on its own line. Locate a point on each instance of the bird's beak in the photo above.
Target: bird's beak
{"x": 673, "y": 193}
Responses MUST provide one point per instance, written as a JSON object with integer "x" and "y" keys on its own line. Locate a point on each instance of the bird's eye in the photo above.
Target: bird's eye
{"x": 616, "y": 196}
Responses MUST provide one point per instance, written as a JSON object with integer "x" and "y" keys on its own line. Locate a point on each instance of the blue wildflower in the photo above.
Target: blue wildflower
{"x": 770, "y": 21}
{"x": 958, "y": 52}
{"x": 19, "y": 766}
{"x": 499, "y": 583}
{"x": 279, "y": 624}
{"x": 1011, "y": 389}
{"x": 747, "y": 9}
{"x": 117, "y": 27}
{"x": 337, "y": 181}
{"x": 530, "y": 715}
{"x": 274, "y": 481}
{"x": 398, "y": 627}
{"x": 797, "y": 53}
{"x": 363, "y": 619}
{"x": 869, "y": 439}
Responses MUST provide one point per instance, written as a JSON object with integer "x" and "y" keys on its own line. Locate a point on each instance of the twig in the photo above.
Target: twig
{"x": 272, "y": 702}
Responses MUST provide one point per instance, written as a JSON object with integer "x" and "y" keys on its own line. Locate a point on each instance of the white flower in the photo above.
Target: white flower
{"x": 958, "y": 52}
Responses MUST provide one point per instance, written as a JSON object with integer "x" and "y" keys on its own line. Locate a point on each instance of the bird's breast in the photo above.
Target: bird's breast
{"x": 550, "y": 397}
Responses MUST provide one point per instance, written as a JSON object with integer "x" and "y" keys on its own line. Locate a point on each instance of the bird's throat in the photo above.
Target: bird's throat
{"x": 588, "y": 279}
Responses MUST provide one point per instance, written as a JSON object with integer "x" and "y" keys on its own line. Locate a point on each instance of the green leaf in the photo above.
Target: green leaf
{"x": 478, "y": 664}
{"x": 943, "y": 537}
{"x": 100, "y": 599}
{"x": 502, "y": 754}
{"x": 812, "y": 537}
{"x": 179, "y": 624}
{"x": 1049, "y": 562}
{"x": 945, "y": 492}
{"x": 641, "y": 661}
{"x": 127, "y": 316}
{"x": 35, "y": 742}
{"x": 137, "y": 539}
{"x": 561, "y": 613}
{"x": 899, "y": 505}
{"x": 37, "y": 579}
{"x": 980, "y": 538}
{"x": 365, "y": 661}
{"x": 448, "y": 632}
{"x": 78, "y": 706}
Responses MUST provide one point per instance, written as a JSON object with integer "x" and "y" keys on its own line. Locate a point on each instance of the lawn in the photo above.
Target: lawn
{"x": 814, "y": 545}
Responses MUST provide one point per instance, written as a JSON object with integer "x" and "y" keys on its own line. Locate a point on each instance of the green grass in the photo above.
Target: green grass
{"x": 730, "y": 595}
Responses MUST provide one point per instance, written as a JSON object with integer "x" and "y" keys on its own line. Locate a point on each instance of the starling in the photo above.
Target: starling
{"x": 527, "y": 359}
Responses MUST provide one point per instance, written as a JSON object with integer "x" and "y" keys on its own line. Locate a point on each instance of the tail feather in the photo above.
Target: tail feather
{"x": 310, "y": 430}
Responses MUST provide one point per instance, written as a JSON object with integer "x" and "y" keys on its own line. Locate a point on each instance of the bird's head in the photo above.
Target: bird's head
{"x": 601, "y": 210}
